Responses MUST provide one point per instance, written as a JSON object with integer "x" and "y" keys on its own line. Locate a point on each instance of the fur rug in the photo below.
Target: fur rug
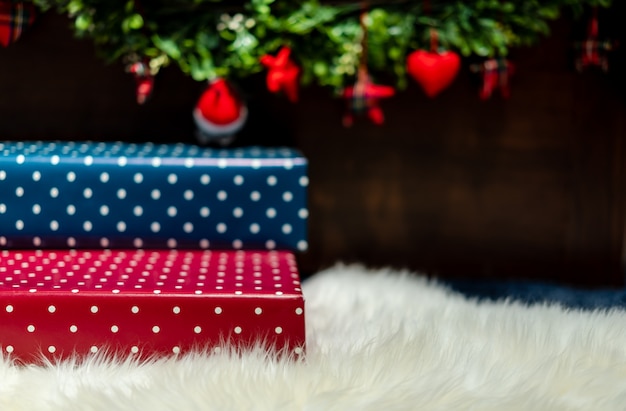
{"x": 377, "y": 340}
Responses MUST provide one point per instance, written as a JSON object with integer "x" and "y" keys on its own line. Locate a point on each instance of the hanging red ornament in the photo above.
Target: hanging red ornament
{"x": 283, "y": 74}
{"x": 144, "y": 79}
{"x": 363, "y": 97}
{"x": 495, "y": 73}
{"x": 593, "y": 52}
{"x": 219, "y": 113}
{"x": 433, "y": 70}
{"x": 15, "y": 17}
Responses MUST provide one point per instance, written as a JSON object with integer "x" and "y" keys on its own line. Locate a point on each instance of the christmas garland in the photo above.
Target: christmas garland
{"x": 211, "y": 39}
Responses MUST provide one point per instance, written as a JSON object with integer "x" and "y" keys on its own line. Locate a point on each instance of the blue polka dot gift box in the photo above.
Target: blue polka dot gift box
{"x": 73, "y": 303}
{"x": 89, "y": 195}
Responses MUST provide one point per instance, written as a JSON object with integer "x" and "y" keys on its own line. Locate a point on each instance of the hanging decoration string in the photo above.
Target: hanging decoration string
{"x": 364, "y": 51}
{"x": 434, "y": 39}
{"x": 434, "y": 36}
{"x": 363, "y": 97}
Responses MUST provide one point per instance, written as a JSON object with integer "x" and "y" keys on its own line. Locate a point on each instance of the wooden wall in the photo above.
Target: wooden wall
{"x": 532, "y": 187}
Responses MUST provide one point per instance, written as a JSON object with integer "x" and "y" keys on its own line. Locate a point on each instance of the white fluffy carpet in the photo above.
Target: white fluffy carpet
{"x": 377, "y": 340}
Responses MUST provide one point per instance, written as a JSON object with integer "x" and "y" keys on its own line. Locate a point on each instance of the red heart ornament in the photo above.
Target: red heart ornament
{"x": 433, "y": 71}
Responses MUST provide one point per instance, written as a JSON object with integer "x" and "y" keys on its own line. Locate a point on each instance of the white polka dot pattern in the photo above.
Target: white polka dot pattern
{"x": 146, "y": 302}
{"x": 117, "y": 195}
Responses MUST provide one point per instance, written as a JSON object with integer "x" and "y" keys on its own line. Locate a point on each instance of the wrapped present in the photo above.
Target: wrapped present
{"x": 71, "y": 303}
{"x": 122, "y": 195}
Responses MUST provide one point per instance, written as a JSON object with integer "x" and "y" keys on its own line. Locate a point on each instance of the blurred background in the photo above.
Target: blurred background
{"x": 530, "y": 187}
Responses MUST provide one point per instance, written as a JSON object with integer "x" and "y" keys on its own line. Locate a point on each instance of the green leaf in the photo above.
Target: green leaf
{"x": 480, "y": 47}
{"x": 508, "y": 7}
{"x": 168, "y": 46}
{"x": 74, "y": 7}
{"x": 320, "y": 68}
{"x": 83, "y": 21}
{"x": 549, "y": 12}
{"x": 135, "y": 22}
{"x": 395, "y": 53}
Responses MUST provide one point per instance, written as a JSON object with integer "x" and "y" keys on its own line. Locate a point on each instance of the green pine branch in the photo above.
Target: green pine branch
{"x": 211, "y": 38}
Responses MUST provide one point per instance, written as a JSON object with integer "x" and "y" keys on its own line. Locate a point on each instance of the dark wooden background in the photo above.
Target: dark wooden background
{"x": 532, "y": 187}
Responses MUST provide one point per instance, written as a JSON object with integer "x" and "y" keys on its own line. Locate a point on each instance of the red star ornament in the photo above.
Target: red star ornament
{"x": 363, "y": 97}
{"x": 283, "y": 74}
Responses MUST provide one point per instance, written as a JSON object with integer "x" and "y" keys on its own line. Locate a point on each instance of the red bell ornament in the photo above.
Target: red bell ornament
{"x": 219, "y": 114}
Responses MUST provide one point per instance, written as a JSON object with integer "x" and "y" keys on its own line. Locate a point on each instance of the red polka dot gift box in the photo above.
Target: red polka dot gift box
{"x": 75, "y": 303}
{"x": 90, "y": 195}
